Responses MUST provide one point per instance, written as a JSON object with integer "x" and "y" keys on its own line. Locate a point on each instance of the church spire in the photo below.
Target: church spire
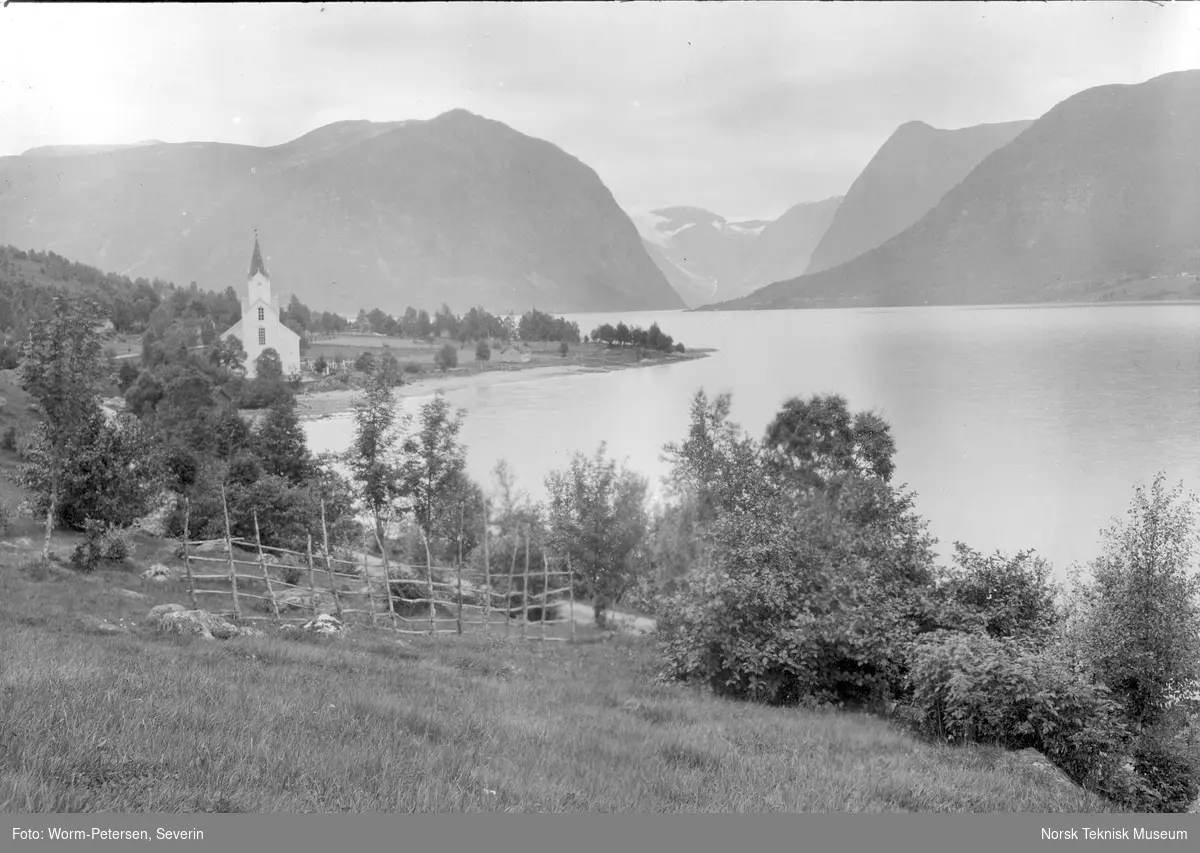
{"x": 256, "y": 261}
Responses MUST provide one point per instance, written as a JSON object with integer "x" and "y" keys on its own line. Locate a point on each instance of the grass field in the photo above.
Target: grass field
{"x": 121, "y": 718}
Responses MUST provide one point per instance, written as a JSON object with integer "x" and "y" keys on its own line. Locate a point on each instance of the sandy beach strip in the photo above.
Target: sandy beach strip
{"x": 319, "y": 404}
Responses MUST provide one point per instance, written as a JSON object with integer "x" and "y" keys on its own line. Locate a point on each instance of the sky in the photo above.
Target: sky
{"x": 741, "y": 108}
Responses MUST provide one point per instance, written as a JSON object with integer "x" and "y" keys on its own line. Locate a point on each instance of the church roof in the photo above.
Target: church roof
{"x": 256, "y": 261}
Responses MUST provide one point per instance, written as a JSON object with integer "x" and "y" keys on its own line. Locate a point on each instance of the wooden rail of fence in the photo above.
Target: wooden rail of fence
{"x": 339, "y": 572}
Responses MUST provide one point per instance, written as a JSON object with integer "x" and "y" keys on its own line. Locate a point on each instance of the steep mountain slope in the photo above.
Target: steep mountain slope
{"x": 904, "y": 180}
{"x": 1098, "y": 199}
{"x": 458, "y": 209}
{"x": 706, "y": 257}
{"x": 785, "y": 247}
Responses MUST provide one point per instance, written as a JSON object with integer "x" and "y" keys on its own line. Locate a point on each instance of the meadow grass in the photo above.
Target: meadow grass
{"x": 136, "y": 721}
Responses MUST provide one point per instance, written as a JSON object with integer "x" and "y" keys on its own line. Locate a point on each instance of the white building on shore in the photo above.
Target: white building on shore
{"x": 259, "y": 328}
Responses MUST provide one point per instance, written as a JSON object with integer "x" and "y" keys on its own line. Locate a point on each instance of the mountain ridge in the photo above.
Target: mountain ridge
{"x": 458, "y": 208}
{"x": 1098, "y": 200}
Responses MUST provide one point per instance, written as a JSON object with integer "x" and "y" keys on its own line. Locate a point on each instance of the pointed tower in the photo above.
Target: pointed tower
{"x": 258, "y": 282}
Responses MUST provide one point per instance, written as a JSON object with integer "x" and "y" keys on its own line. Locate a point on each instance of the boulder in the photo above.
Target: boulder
{"x": 159, "y": 612}
{"x": 200, "y": 623}
{"x": 158, "y": 573}
{"x": 325, "y": 624}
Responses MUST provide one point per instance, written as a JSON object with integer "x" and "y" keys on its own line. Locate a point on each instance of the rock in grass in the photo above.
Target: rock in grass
{"x": 158, "y": 613}
{"x": 199, "y": 623}
{"x": 325, "y": 624}
{"x": 158, "y": 573}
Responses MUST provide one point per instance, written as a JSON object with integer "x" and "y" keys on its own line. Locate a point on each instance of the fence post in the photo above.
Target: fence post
{"x": 429, "y": 584}
{"x": 312, "y": 580}
{"x": 458, "y": 568}
{"x": 237, "y": 610}
{"x": 571, "y": 587}
{"x": 367, "y": 580}
{"x": 387, "y": 580}
{"x": 337, "y": 600}
{"x": 487, "y": 578}
{"x": 525, "y": 589}
{"x": 262, "y": 564}
{"x": 508, "y": 605}
{"x": 545, "y": 591}
{"x": 187, "y": 557}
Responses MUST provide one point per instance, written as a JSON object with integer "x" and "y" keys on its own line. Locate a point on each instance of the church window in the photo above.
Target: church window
{"x": 262, "y": 336}
{"x": 260, "y": 315}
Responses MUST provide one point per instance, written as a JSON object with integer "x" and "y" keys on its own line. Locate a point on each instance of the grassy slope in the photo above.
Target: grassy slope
{"x": 137, "y": 721}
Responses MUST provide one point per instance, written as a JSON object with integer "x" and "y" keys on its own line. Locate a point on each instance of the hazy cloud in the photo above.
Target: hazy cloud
{"x": 744, "y": 108}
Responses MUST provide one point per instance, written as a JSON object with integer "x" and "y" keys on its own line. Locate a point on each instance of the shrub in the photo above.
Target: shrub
{"x": 1169, "y": 775}
{"x": 412, "y": 367}
{"x": 975, "y": 688}
{"x": 291, "y": 575}
{"x": 9, "y": 440}
{"x": 447, "y": 357}
{"x": 6, "y": 518}
{"x": 101, "y": 542}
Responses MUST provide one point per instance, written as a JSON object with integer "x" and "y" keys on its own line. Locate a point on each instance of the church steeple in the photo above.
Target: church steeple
{"x": 256, "y": 261}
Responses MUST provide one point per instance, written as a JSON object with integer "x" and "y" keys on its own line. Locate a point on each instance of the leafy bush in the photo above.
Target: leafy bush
{"x": 291, "y": 575}
{"x": 975, "y": 688}
{"x": 412, "y": 367}
{"x": 101, "y": 542}
{"x": 447, "y": 357}
{"x": 1010, "y": 597}
{"x": 6, "y": 518}
{"x": 9, "y": 440}
{"x": 1170, "y": 775}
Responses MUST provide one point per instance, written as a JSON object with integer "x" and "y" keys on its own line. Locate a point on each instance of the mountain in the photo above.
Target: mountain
{"x": 904, "y": 180}
{"x": 706, "y": 257}
{"x": 1099, "y": 199}
{"x": 457, "y": 209}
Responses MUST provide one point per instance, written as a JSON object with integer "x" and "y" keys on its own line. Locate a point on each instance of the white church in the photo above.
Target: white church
{"x": 259, "y": 328}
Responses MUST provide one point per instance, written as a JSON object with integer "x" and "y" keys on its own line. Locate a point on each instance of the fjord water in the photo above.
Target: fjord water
{"x": 1018, "y": 427}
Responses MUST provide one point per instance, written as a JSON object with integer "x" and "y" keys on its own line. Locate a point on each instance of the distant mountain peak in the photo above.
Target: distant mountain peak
{"x": 1097, "y": 200}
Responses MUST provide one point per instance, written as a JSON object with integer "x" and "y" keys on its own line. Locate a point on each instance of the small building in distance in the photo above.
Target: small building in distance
{"x": 512, "y": 355}
{"x": 259, "y": 328}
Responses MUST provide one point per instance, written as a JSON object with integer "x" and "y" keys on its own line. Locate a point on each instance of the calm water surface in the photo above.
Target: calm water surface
{"x": 1018, "y": 427}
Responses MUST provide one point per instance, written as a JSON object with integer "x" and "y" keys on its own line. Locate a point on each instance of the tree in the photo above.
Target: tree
{"x": 365, "y": 362}
{"x": 434, "y": 464}
{"x": 320, "y": 366}
{"x": 228, "y": 353}
{"x": 483, "y": 353}
{"x": 447, "y": 357}
{"x": 280, "y": 443}
{"x": 1143, "y": 632}
{"x": 563, "y": 349}
{"x": 598, "y": 523}
{"x": 818, "y": 439}
{"x": 62, "y": 370}
{"x": 109, "y": 472}
{"x": 269, "y": 366}
{"x": 373, "y": 458}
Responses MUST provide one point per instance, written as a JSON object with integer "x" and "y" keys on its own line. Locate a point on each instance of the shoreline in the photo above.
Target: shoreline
{"x": 315, "y": 405}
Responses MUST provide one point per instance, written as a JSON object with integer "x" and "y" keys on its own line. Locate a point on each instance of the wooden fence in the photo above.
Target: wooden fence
{"x": 321, "y": 582}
